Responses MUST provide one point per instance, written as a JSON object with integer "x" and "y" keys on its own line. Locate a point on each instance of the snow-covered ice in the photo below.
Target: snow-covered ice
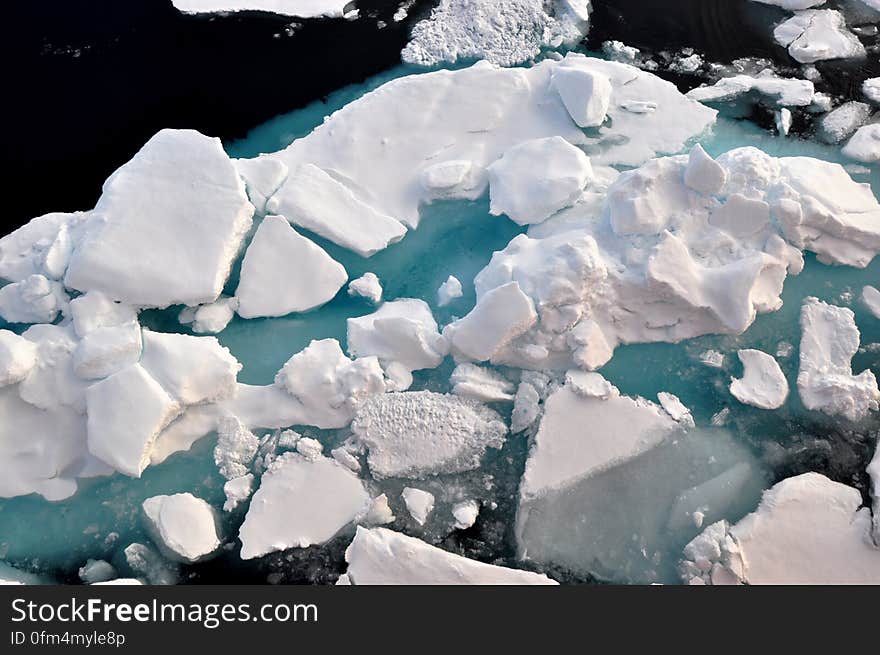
{"x": 326, "y": 497}
{"x": 421, "y": 433}
{"x": 483, "y": 384}
{"x": 763, "y": 383}
{"x": 366, "y": 286}
{"x": 18, "y": 356}
{"x": 838, "y": 125}
{"x": 826, "y": 381}
{"x": 864, "y": 145}
{"x": 818, "y": 35}
{"x": 182, "y": 525}
{"x": 780, "y": 91}
{"x": 36, "y": 299}
{"x": 298, "y": 8}
{"x": 381, "y": 556}
{"x": 871, "y": 300}
{"x": 449, "y": 291}
{"x": 419, "y": 503}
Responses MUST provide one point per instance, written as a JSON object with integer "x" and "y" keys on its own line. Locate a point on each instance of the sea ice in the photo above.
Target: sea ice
{"x": 106, "y": 350}
{"x": 838, "y": 125}
{"x": 780, "y": 91}
{"x": 126, "y": 412}
{"x": 421, "y": 433}
{"x": 465, "y": 514}
{"x": 366, "y": 286}
{"x": 327, "y": 498}
{"x": 449, "y": 291}
{"x": 871, "y": 89}
{"x": 871, "y": 300}
{"x": 826, "y": 381}
{"x": 381, "y": 556}
{"x": 236, "y": 448}
{"x": 262, "y": 177}
{"x": 864, "y": 145}
{"x": 95, "y": 571}
{"x": 419, "y": 503}
{"x": 585, "y": 94}
{"x": 763, "y": 383}
{"x": 537, "y": 178}
{"x": 284, "y": 272}
{"x": 181, "y": 200}
{"x": 817, "y": 35}
{"x": 94, "y": 310}
{"x": 18, "y": 356}
{"x": 298, "y": 8}
{"x": 237, "y": 491}
{"x": 211, "y": 318}
{"x": 36, "y": 299}
{"x": 183, "y": 526}
{"x": 482, "y": 384}
{"x": 41, "y": 247}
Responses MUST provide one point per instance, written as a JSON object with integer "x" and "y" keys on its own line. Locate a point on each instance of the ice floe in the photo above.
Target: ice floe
{"x": 183, "y": 526}
{"x": 366, "y": 286}
{"x": 18, "y": 356}
{"x": 180, "y": 200}
{"x": 419, "y": 503}
{"x": 210, "y": 318}
{"x": 763, "y": 383}
{"x": 382, "y": 556}
{"x": 449, "y": 291}
{"x": 818, "y": 35}
{"x": 505, "y": 32}
{"x": 284, "y": 272}
{"x": 299, "y": 8}
{"x": 465, "y": 514}
{"x": 826, "y": 381}
{"x": 479, "y": 383}
{"x": 864, "y": 146}
{"x": 422, "y": 433}
{"x": 871, "y": 300}
{"x": 327, "y": 497}
{"x": 782, "y": 92}
{"x": 838, "y": 125}
{"x": 806, "y": 530}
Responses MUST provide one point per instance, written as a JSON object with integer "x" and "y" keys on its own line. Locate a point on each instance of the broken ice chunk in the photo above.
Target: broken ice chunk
{"x": 126, "y": 412}
{"x": 483, "y": 384}
{"x": 235, "y": 449}
{"x": 17, "y": 357}
{"x": 421, "y": 433}
{"x": 704, "y": 174}
{"x": 589, "y": 384}
{"x": 192, "y": 369}
{"x": 465, "y": 514}
{"x": 380, "y": 513}
{"x": 105, "y": 350}
{"x": 382, "y": 556}
{"x": 183, "y": 526}
{"x": 94, "y": 571}
{"x": 328, "y": 497}
{"x": 419, "y": 503}
{"x": 94, "y": 310}
{"x": 181, "y": 200}
{"x": 586, "y": 94}
{"x": 712, "y": 359}
{"x": 328, "y": 385}
{"x": 864, "y": 145}
{"x": 150, "y": 565}
{"x": 262, "y": 177}
{"x": 673, "y": 406}
{"x": 40, "y": 247}
{"x": 237, "y": 491}
{"x": 501, "y": 315}
{"x": 449, "y": 291}
{"x": 871, "y": 300}
{"x": 366, "y": 286}
{"x": 35, "y": 299}
{"x": 402, "y": 332}
{"x": 535, "y": 179}
{"x": 778, "y": 91}
{"x": 312, "y": 199}
{"x": 211, "y": 318}
{"x": 457, "y": 178}
{"x": 817, "y": 35}
{"x": 826, "y": 381}
{"x": 838, "y": 125}
{"x": 284, "y": 272}
{"x": 763, "y": 383}
{"x": 525, "y": 407}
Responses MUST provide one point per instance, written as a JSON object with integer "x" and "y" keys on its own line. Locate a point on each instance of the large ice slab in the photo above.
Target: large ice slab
{"x": 183, "y": 526}
{"x": 826, "y": 381}
{"x": 299, "y": 8}
{"x": 505, "y": 32}
{"x": 167, "y": 227}
{"x": 126, "y": 412}
{"x": 806, "y": 530}
{"x": 301, "y": 502}
{"x": 421, "y": 433}
{"x": 372, "y": 154}
{"x": 284, "y": 272}
{"x": 381, "y": 556}
{"x": 614, "y": 487}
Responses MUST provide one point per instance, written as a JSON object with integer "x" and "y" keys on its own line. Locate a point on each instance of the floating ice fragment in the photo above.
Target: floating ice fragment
{"x": 673, "y": 406}
{"x": 366, "y": 286}
{"x": 817, "y": 35}
{"x": 421, "y": 433}
{"x": 763, "y": 383}
{"x": 299, "y": 8}
{"x": 838, "y": 125}
{"x": 380, "y": 513}
{"x": 237, "y": 491}
{"x": 328, "y": 497}
{"x": 585, "y": 94}
{"x": 95, "y": 571}
{"x": 262, "y": 177}
{"x": 35, "y": 299}
{"x": 183, "y": 526}
{"x": 465, "y": 514}
{"x": 382, "y": 556}
{"x": 449, "y": 291}
{"x": 482, "y": 384}
{"x": 94, "y": 310}
{"x": 211, "y": 318}
{"x": 864, "y": 145}
{"x": 419, "y": 503}
{"x": 235, "y": 449}
{"x": 871, "y": 300}
{"x": 779, "y": 91}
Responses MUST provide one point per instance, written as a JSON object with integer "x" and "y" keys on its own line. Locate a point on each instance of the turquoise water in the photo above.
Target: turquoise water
{"x": 454, "y": 238}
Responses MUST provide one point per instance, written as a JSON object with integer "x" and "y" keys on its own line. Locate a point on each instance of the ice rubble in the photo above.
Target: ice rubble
{"x": 327, "y": 497}
{"x": 534, "y": 179}
{"x": 403, "y": 335}
{"x": 298, "y": 8}
{"x": 595, "y": 462}
{"x": 864, "y": 145}
{"x": 284, "y": 272}
{"x": 359, "y": 173}
{"x": 681, "y": 247}
{"x": 505, "y": 32}
{"x": 382, "y": 556}
{"x": 871, "y": 89}
{"x": 183, "y": 526}
{"x": 871, "y": 300}
{"x": 483, "y": 384}
{"x": 366, "y": 286}
{"x": 419, "y": 503}
{"x": 817, "y": 35}
{"x": 763, "y": 383}
{"x": 18, "y": 356}
{"x": 806, "y": 530}
{"x": 826, "y": 381}
{"x": 838, "y": 125}
{"x": 422, "y": 433}
{"x": 167, "y": 227}
{"x": 36, "y": 299}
